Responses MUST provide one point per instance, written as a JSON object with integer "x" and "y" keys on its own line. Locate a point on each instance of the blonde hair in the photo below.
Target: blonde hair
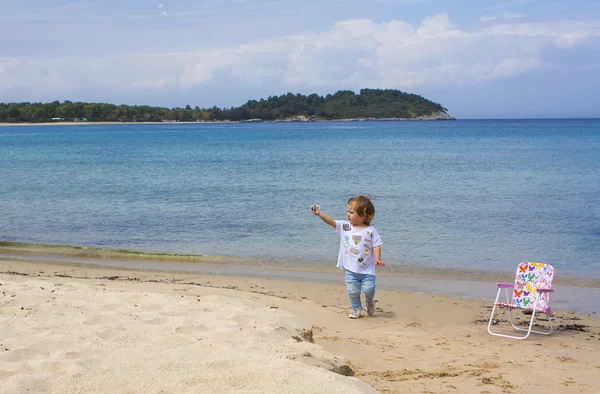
{"x": 363, "y": 207}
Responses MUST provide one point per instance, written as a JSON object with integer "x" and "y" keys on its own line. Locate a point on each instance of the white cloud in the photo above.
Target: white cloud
{"x": 438, "y": 27}
{"x": 561, "y": 34}
{"x": 350, "y": 54}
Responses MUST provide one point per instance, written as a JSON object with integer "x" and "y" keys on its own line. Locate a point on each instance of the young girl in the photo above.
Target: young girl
{"x": 360, "y": 251}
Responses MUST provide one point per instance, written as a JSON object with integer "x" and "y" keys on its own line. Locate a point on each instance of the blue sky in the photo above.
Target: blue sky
{"x": 480, "y": 59}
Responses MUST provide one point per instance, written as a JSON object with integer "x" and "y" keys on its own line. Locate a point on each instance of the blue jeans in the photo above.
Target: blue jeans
{"x": 355, "y": 283}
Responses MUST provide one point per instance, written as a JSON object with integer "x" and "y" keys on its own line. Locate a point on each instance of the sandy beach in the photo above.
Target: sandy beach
{"x": 68, "y": 328}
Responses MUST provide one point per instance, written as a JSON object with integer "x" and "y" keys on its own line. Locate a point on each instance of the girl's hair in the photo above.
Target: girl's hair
{"x": 363, "y": 207}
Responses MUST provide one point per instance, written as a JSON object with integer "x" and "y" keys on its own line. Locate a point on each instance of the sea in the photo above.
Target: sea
{"x": 475, "y": 195}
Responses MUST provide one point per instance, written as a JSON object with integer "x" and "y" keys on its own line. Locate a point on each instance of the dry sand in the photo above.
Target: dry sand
{"x": 68, "y": 329}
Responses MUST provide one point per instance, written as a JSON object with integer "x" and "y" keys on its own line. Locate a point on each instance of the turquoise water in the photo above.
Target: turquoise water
{"x": 461, "y": 194}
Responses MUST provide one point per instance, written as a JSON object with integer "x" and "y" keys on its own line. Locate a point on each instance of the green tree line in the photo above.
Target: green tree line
{"x": 344, "y": 104}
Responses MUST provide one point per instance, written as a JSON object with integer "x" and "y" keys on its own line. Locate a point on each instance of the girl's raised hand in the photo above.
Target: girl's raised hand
{"x": 316, "y": 209}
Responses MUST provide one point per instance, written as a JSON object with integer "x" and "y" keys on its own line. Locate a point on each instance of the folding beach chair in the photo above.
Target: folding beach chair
{"x": 531, "y": 290}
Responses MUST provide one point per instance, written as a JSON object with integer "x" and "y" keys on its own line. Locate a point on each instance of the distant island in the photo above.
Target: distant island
{"x": 369, "y": 104}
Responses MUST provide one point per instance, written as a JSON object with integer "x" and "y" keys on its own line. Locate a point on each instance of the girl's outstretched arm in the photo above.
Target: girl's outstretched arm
{"x": 326, "y": 218}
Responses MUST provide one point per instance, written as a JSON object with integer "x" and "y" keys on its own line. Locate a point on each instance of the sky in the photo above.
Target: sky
{"x": 478, "y": 58}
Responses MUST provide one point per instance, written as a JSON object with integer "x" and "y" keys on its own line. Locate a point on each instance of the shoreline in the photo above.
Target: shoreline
{"x": 100, "y": 123}
{"x": 60, "y": 123}
{"x": 573, "y": 294}
{"x": 408, "y": 270}
{"x": 124, "y": 325}
{"x": 92, "y": 123}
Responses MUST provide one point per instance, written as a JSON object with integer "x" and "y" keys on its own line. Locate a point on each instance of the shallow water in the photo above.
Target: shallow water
{"x": 475, "y": 195}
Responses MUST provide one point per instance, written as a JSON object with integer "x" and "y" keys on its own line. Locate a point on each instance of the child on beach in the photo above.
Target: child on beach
{"x": 360, "y": 251}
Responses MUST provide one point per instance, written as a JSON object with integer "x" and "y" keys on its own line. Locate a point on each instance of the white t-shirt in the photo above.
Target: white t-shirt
{"x": 356, "y": 247}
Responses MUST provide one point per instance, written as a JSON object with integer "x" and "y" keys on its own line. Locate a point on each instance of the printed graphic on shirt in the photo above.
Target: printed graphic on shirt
{"x": 362, "y": 262}
{"x": 356, "y": 247}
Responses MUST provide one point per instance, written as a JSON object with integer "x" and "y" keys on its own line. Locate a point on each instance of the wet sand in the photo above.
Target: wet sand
{"x": 571, "y": 293}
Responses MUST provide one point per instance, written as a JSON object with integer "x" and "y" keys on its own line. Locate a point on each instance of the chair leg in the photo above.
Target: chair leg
{"x": 511, "y": 322}
{"x": 528, "y": 330}
{"x": 510, "y": 317}
{"x": 491, "y": 319}
{"x": 530, "y": 324}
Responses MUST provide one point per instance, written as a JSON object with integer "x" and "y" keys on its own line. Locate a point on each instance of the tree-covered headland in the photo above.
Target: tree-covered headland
{"x": 344, "y": 104}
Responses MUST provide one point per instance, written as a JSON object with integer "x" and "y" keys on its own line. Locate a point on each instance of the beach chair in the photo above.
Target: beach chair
{"x": 531, "y": 291}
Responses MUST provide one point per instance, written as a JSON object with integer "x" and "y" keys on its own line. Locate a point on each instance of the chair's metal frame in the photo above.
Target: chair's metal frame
{"x": 511, "y": 286}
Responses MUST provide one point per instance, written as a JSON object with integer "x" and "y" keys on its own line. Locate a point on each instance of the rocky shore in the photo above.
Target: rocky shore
{"x": 299, "y": 118}
{"x": 440, "y": 115}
